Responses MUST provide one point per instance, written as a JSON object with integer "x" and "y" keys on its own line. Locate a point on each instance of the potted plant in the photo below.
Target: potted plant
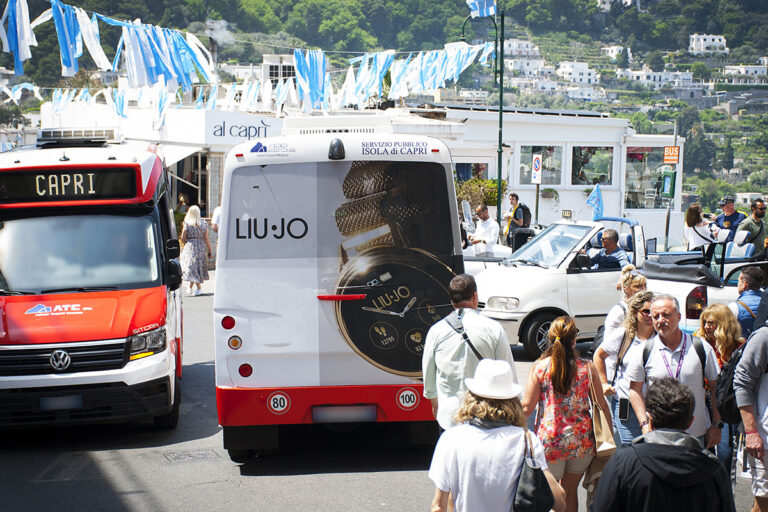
{"x": 549, "y": 193}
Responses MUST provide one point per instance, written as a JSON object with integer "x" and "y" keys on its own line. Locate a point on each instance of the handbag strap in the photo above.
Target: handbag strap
{"x": 454, "y": 320}
{"x": 625, "y": 343}
{"x": 528, "y": 451}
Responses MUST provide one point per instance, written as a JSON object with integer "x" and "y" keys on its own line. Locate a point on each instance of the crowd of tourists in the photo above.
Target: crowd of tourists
{"x": 653, "y": 422}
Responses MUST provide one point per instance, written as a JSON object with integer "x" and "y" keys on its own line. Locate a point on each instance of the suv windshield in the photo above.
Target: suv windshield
{"x": 550, "y": 246}
{"x": 77, "y": 253}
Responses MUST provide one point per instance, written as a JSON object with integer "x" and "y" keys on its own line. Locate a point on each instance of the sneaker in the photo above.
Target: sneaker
{"x": 197, "y": 292}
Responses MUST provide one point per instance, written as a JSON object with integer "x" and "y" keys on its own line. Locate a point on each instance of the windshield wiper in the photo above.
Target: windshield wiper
{"x": 15, "y": 292}
{"x": 81, "y": 289}
{"x": 529, "y": 262}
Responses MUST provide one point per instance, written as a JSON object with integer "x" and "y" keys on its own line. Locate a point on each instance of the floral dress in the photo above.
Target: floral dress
{"x": 194, "y": 257}
{"x": 564, "y": 421}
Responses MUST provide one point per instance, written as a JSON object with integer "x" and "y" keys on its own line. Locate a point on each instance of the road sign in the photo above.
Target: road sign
{"x": 536, "y": 170}
{"x": 671, "y": 154}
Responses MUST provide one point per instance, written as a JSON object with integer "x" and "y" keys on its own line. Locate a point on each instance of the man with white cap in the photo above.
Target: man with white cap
{"x": 455, "y": 345}
{"x": 479, "y": 461}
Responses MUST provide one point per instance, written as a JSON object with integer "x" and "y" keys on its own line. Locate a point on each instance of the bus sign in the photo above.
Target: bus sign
{"x": 671, "y": 154}
{"x": 46, "y": 185}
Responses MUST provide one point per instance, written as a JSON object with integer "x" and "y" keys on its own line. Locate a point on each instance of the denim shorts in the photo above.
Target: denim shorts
{"x": 626, "y": 429}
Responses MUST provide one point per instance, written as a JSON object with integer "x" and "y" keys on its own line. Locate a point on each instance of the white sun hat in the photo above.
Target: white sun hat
{"x": 493, "y": 379}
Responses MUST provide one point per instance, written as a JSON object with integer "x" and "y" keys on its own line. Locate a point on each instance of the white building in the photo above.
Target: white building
{"x": 745, "y": 69}
{"x": 657, "y": 79}
{"x": 277, "y": 68}
{"x": 586, "y": 93}
{"x": 520, "y": 48}
{"x": 473, "y": 95}
{"x": 529, "y": 67}
{"x": 577, "y": 73}
{"x": 242, "y": 71}
{"x": 707, "y": 44}
{"x": 763, "y": 61}
{"x": 605, "y": 5}
{"x": 613, "y": 52}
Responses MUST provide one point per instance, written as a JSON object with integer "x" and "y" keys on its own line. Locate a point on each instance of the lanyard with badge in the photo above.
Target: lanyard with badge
{"x": 676, "y": 376}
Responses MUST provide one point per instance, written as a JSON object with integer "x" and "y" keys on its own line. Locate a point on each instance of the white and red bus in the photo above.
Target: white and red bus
{"x": 90, "y": 302}
{"x": 335, "y": 255}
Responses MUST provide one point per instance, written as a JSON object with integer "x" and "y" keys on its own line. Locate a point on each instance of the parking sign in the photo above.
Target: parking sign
{"x": 536, "y": 170}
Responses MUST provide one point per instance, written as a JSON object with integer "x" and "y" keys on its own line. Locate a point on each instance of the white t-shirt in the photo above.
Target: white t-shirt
{"x": 216, "y": 217}
{"x": 447, "y": 360}
{"x": 690, "y": 374}
{"x": 704, "y": 234}
{"x": 487, "y": 230}
{"x": 614, "y": 319}
{"x": 480, "y": 466}
{"x": 611, "y": 346}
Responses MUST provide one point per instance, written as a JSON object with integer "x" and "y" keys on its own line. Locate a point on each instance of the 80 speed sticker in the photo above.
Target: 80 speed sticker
{"x": 278, "y": 402}
{"x": 407, "y": 399}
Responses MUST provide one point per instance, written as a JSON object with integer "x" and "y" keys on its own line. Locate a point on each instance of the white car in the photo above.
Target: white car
{"x": 551, "y": 276}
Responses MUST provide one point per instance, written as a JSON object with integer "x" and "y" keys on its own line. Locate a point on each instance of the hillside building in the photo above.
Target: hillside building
{"x": 657, "y": 79}
{"x": 613, "y": 52}
{"x": 746, "y": 70}
{"x": 520, "y": 48}
{"x": 577, "y": 73}
{"x": 707, "y": 44}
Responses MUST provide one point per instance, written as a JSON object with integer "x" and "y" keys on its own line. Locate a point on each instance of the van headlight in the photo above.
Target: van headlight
{"x": 147, "y": 343}
{"x": 502, "y": 303}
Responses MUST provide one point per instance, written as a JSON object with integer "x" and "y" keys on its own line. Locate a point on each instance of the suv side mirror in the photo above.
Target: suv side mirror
{"x": 172, "y": 249}
{"x": 173, "y": 274}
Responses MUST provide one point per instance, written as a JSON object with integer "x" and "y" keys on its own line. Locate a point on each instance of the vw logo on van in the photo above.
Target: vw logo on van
{"x": 60, "y": 360}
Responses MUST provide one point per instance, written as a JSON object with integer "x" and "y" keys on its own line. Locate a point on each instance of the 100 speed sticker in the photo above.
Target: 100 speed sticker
{"x": 407, "y": 399}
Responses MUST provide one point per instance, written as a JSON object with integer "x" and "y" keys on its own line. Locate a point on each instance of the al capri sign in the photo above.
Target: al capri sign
{"x": 222, "y": 127}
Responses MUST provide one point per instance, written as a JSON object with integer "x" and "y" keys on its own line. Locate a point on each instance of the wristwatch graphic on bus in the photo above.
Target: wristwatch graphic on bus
{"x": 405, "y": 287}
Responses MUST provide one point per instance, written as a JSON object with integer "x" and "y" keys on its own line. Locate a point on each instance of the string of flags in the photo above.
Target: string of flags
{"x": 160, "y": 63}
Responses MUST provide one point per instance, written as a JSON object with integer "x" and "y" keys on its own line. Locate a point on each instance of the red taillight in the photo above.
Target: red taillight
{"x": 245, "y": 370}
{"x": 228, "y": 322}
{"x": 696, "y": 302}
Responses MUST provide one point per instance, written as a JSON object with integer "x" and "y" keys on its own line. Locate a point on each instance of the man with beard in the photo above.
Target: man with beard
{"x": 756, "y": 227}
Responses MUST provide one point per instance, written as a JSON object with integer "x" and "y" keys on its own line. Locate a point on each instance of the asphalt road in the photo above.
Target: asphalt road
{"x": 134, "y": 467}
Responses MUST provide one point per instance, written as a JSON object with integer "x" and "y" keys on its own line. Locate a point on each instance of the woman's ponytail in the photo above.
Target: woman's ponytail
{"x": 562, "y": 334}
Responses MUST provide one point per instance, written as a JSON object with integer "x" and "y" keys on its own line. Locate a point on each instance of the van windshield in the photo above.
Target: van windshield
{"x": 551, "y": 246}
{"x": 78, "y": 253}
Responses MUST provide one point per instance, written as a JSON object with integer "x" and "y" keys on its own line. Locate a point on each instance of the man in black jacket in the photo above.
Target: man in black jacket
{"x": 665, "y": 469}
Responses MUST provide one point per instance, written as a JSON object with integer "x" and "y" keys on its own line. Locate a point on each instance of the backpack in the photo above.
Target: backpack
{"x": 526, "y": 216}
{"x": 725, "y": 395}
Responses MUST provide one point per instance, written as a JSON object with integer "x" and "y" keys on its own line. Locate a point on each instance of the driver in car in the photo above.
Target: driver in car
{"x": 611, "y": 255}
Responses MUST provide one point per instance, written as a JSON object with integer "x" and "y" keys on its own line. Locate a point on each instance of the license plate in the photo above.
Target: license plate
{"x": 57, "y": 403}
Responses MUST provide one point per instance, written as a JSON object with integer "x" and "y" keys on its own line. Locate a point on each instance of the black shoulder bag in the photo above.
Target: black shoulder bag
{"x": 454, "y": 320}
{"x": 532, "y": 492}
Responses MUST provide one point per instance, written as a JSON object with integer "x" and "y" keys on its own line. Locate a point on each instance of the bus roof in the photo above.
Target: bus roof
{"x": 31, "y": 176}
{"x": 338, "y": 147}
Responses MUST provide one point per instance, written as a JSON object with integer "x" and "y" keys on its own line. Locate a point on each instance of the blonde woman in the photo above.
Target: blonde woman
{"x": 611, "y": 360}
{"x": 559, "y": 383}
{"x": 194, "y": 263}
{"x": 630, "y": 282}
{"x": 720, "y": 329}
{"x": 478, "y": 461}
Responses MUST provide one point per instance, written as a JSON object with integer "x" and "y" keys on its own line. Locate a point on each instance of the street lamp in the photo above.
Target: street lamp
{"x": 498, "y": 73}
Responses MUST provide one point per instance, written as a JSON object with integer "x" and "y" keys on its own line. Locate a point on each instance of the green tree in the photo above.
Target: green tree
{"x": 622, "y": 61}
{"x": 726, "y": 160}
{"x": 655, "y": 61}
{"x": 686, "y": 119}
{"x": 641, "y": 123}
{"x": 699, "y": 151}
{"x": 700, "y": 71}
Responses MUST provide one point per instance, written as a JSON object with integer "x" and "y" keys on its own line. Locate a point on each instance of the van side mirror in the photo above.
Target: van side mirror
{"x": 172, "y": 249}
{"x": 173, "y": 273}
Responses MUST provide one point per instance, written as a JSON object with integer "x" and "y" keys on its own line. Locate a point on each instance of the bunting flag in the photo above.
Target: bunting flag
{"x": 19, "y": 37}
{"x": 481, "y": 8}
{"x": 595, "y": 200}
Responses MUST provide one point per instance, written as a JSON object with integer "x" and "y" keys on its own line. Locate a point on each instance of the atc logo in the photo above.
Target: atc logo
{"x": 58, "y": 310}
{"x": 40, "y": 308}
{"x": 259, "y": 148}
